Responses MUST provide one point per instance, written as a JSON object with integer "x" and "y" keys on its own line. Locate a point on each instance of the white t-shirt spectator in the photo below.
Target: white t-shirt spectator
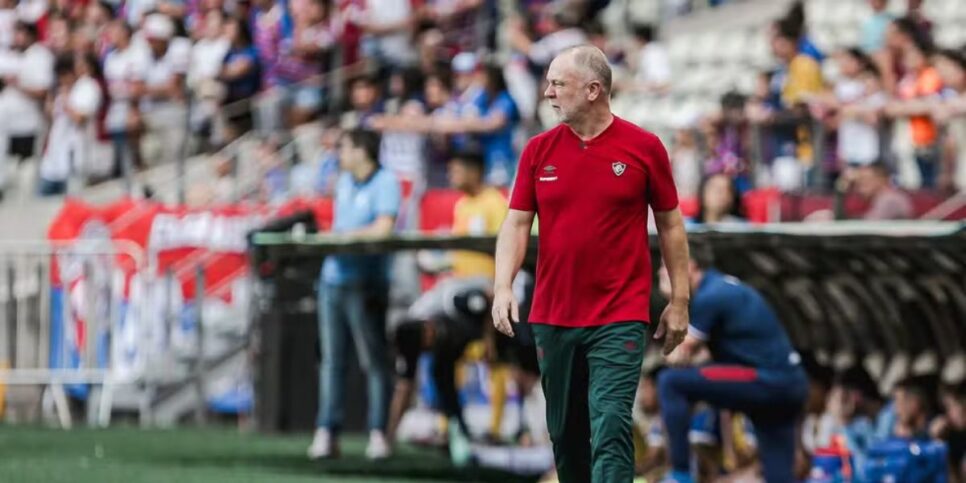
{"x": 544, "y": 50}
{"x": 207, "y": 56}
{"x": 397, "y": 46}
{"x": 160, "y": 71}
{"x": 405, "y": 152}
{"x": 653, "y": 65}
{"x": 121, "y": 68}
{"x": 23, "y": 115}
{"x": 858, "y": 141}
{"x": 73, "y": 146}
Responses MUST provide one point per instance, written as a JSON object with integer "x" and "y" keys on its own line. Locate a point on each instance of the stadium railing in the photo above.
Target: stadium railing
{"x": 63, "y": 314}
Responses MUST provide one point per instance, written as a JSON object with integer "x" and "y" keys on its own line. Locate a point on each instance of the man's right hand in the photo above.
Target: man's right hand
{"x": 505, "y": 309}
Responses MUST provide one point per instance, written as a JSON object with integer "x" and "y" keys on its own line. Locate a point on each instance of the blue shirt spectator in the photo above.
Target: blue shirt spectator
{"x": 498, "y": 152}
{"x": 872, "y": 37}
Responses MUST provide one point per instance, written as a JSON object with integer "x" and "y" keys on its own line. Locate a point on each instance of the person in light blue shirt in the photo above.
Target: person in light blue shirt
{"x": 872, "y": 38}
{"x": 353, "y": 295}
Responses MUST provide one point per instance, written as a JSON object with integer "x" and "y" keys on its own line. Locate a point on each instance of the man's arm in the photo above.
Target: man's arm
{"x": 683, "y": 355}
{"x": 511, "y": 248}
{"x": 382, "y": 226}
{"x": 674, "y": 251}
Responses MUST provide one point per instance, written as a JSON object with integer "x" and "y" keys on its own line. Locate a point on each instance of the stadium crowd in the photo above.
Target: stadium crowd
{"x": 127, "y": 85}
{"x": 99, "y": 90}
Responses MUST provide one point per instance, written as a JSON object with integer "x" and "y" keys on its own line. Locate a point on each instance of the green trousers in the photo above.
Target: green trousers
{"x": 589, "y": 377}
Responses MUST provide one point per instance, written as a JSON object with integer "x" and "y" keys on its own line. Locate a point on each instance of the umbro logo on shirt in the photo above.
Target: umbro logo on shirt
{"x": 550, "y": 171}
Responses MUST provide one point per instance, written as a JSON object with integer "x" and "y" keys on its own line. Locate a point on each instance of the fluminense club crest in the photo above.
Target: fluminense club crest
{"x": 618, "y": 167}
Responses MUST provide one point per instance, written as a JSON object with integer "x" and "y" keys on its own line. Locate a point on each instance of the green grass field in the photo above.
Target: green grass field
{"x": 30, "y": 454}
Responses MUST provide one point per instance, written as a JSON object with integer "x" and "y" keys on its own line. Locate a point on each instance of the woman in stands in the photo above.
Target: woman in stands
{"x": 951, "y": 111}
{"x": 74, "y": 127}
{"x": 720, "y": 202}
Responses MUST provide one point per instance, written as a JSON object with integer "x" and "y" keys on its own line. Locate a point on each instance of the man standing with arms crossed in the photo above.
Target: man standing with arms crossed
{"x": 591, "y": 180}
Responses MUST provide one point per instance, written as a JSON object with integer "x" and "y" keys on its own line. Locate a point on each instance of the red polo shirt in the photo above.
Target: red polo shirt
{"x": 591, "y": 198}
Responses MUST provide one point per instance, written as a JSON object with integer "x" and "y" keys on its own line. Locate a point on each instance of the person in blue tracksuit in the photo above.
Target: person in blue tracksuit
{"x": 753, "y": 369}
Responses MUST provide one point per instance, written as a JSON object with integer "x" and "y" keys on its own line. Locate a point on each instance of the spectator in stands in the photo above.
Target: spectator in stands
{"x": 686, "y": 163}
{"x": 468, "y": 95}
{"x": 853, "y": 403}
{"x": 365, "y": 102}
{"x": 923, "y": 24}
{"x": 207, "y": 54}
{"x": 302, "y": 58}
{"x": 96, "y": 27}
{"x": 75, "y": 113}
{"x": 901, "y": 35}
{"x": 853, "y": 108}
{"x": 404, "y": 152}
{"x": 327, "y": 168}
{"x": 387, "y": 26}
{"x": 950, "y": 427}
{"x": 163, "y": 103}
{"x": 124, "y": 71}
{"x": 795, "y": 19}
{"x": 649, "y": 61}
{"x": 800, "y": 75}
{"x": 465, "y": 24}
{"x": 353, "y": 295}
{"x": 598, "y": 36}
{"x": 816, "y": 426}
{"x": 872, "y": 38}
{"x": 797, "y": 77}
{"x": 440, "y": 106}
{"x": 241, "y": 75}
{"x": 562, "y": 32}
{"x": 270, "y": 22}
{"x": 918, "y": 85}
{"x": 720, "y": 201}
{"x": 21, "y": 101}
{"x": 728, "y": 140}
{"x": 493, "y": 122}
{"x": 58, "y": 38}
{"x": 913, "y": 410}
{"x": 886, "y": 201}
{"x": 951, "y": 111}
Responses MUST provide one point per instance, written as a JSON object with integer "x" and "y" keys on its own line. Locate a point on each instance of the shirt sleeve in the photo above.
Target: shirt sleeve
{"x": 524, "y": 196}
{"x": 389, "y": 196}
{"x": 495, "y": 214}
{"x": 662, "y": 195}
{"x": 504, "y": 104}
{"x": 704, "y": 315}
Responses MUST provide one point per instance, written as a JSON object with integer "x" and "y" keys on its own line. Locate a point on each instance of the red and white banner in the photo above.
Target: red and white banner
{"x": 177, "y": 238}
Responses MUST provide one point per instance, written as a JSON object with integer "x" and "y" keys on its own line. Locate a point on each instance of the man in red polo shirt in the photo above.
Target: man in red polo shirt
{"x": 591, "y": 180}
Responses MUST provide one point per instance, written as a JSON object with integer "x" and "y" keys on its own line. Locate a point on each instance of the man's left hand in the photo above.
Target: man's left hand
{"x": 673, "y": 325}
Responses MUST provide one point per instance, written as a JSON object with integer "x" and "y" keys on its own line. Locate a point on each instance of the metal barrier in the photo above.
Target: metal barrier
{"x": 61, "y": 319}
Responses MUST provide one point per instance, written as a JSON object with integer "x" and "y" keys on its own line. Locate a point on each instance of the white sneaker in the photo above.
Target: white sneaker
{"x": 323, "y": 445}
{"x": 378, "y": 447}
